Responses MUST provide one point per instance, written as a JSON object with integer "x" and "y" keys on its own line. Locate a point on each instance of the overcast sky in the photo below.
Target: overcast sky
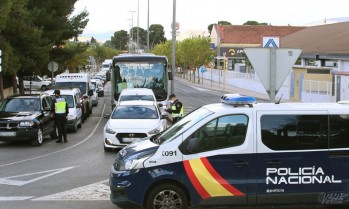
{"x": 114, "y": 15}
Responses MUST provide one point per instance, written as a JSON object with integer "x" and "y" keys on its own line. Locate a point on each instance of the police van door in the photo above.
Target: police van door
{"x": 217, "y": 160}
{"x": 292, "y": 149}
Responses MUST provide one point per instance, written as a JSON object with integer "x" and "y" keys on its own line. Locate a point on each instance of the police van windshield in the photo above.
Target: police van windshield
{"x": 182, "y": 125}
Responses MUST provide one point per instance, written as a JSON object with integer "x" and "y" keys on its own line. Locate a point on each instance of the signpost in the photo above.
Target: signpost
{"x": 272, "y": 66}
{"x": 53, "y": 67}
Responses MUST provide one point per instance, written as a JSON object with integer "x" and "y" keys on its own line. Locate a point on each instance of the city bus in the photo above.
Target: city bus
{"x": 140, "y": 71}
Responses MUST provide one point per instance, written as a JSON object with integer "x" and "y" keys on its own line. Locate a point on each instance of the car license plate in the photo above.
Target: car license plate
{"x": 129, "y": 140}
{"x": 7, "y": 133}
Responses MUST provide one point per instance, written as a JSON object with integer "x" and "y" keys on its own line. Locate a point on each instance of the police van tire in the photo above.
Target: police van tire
{"x": 166, "y": 196}
{"x": 39, "y": 138}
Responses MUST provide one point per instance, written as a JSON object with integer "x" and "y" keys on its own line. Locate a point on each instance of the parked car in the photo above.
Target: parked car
{"x": 133, "y": 120}
{"x": 35, "y": 82}
{"x": 26, "y": 118}
{"x": 72, "y": 97}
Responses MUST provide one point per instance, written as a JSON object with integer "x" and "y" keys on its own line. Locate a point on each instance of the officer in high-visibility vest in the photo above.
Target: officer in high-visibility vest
{"x": 59, "y": 110}
{"x": 176, "y": 108}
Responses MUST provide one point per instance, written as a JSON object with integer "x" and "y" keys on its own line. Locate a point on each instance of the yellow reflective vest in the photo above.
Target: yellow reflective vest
{"x": 60, "y": 105}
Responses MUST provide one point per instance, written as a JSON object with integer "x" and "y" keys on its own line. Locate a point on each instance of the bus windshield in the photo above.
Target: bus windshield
{"x": 150, "y": 74}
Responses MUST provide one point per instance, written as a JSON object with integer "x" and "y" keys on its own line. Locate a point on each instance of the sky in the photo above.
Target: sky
{"x": 108, "y": 16}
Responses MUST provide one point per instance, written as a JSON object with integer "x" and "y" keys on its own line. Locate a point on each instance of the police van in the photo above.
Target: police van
{"x": 238, "y": 153}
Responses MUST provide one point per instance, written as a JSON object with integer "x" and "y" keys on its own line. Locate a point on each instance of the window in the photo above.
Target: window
{"x": 294, "y": 132}
{"x": 223, "y": 132}
{"x": 339, "y": 131}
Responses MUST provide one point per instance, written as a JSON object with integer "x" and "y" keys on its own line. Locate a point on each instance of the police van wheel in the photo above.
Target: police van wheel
{"x": 167, "y": 196}
{"x": 39, "y": 138}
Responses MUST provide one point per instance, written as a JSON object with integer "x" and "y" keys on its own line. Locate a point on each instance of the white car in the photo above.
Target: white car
{"x": 94, "y": 95}
{"x": 132, "y": 121}
{"x": 137, "y": 94}
{"x": 72, "y": 97}
{"x": 98, "y": 84}
{"x": 35, "y": 82}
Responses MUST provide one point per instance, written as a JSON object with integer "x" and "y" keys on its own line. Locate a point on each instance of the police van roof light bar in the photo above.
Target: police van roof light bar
{"x": 238, "y": 100}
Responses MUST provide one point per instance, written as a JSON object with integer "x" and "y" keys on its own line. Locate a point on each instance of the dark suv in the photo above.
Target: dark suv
{"x": 26, "y": 118}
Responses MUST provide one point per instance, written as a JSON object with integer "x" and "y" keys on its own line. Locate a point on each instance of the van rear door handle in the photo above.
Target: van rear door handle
{"x": 241, "y": 163}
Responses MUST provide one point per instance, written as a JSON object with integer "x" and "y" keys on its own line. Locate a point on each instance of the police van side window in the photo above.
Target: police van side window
{"x": 295, "y": 132}
{"x": 224, "y": 132}
{"x": 339, "y": 131}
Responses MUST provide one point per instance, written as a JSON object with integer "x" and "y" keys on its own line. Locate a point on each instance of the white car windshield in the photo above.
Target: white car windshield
{"x": 135, "y": 112}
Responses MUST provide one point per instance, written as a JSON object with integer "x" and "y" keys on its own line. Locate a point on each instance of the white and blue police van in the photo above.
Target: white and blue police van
{"x": 238, "y": 153}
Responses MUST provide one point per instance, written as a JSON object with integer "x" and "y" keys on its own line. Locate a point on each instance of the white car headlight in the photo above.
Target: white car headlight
{"x": 155, "y": 130}
{"x": 109, "y": 130}
{"x": 26, "y": 123}
{"x": 70, "y": 117}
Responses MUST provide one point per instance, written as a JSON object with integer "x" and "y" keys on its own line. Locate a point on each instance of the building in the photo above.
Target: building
{"x": 230, "y": 40}
{"x": 322, "y": 70}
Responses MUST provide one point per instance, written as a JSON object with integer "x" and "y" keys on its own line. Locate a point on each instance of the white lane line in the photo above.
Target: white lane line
{"x": 15, "y": 198}
{"x": 200, "y": 89}
{"x": 62, "y": 150}
{"x": 11, "y": 179}
{"x": 96, "y": 191}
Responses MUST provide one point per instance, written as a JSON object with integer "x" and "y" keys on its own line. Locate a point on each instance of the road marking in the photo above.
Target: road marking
{"x": 95, "y": 191}
{"x": 9, "y": 180}
{"x": 62, "y": 150}
{"x": 200, "y": 89}
{"x": 15, "y": 198}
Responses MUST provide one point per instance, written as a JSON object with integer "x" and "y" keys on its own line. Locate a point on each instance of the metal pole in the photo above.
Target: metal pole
{"x": 272, "y": 74}
{"x": 173, "y": 45}
{"x": 138, "y": 27}
{"x": 148, "y": 30}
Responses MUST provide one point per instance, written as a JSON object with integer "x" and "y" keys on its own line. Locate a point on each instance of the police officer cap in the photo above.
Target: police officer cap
{"x": 171, "y": 96}
{"x": 57, "y": 92}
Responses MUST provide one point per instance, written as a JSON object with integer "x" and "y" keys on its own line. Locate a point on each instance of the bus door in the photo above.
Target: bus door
{"x": 218, "y": 158}
{"x": 292, "y": 156}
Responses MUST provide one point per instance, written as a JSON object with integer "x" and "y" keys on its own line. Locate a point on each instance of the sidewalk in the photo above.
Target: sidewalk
{"x": 220, "y": 88}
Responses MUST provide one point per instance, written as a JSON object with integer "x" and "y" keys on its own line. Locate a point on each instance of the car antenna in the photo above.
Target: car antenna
{"x": 278, "y": 102}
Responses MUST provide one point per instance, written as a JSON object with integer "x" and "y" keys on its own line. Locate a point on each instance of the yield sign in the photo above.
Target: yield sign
{"x": 15, "y": 180}
{"x": 261, "y": 62}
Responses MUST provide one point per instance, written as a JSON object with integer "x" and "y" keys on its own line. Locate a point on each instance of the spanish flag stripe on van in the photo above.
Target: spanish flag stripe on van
{"x": 220, "y": 179}
{"x": 199, "y": 188}
{"x": 204, "y": 176}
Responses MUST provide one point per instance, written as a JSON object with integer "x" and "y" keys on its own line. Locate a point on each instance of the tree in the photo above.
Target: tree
{"x": 222, "y": 22}
{"x": 252, "y": 22}
{"x": 93, "y": 40}
{"x": 120, "y": 40}
{"x": 156, "y": 35}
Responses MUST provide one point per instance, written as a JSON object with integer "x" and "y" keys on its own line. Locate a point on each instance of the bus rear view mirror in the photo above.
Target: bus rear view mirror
{"x": 170, "y": 76}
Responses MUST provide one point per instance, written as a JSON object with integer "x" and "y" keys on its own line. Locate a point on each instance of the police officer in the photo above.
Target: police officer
{"x": 59, "y": 111}
{"x": 176, "y": 108}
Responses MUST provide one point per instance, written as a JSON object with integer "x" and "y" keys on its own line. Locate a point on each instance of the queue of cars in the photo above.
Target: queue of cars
{"x": 28, "y": 117}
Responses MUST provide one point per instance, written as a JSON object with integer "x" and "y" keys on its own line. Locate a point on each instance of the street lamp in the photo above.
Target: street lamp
{"x": 148, "y": 30}
{"x": 173, "y": 45}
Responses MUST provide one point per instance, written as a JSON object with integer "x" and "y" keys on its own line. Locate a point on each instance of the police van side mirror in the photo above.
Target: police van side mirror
{"x": 116, "y": 96}
{"x": 192, "y": 146}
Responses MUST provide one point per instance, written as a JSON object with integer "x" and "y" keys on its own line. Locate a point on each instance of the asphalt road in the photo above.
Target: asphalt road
{"x": 72, "y": 175}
